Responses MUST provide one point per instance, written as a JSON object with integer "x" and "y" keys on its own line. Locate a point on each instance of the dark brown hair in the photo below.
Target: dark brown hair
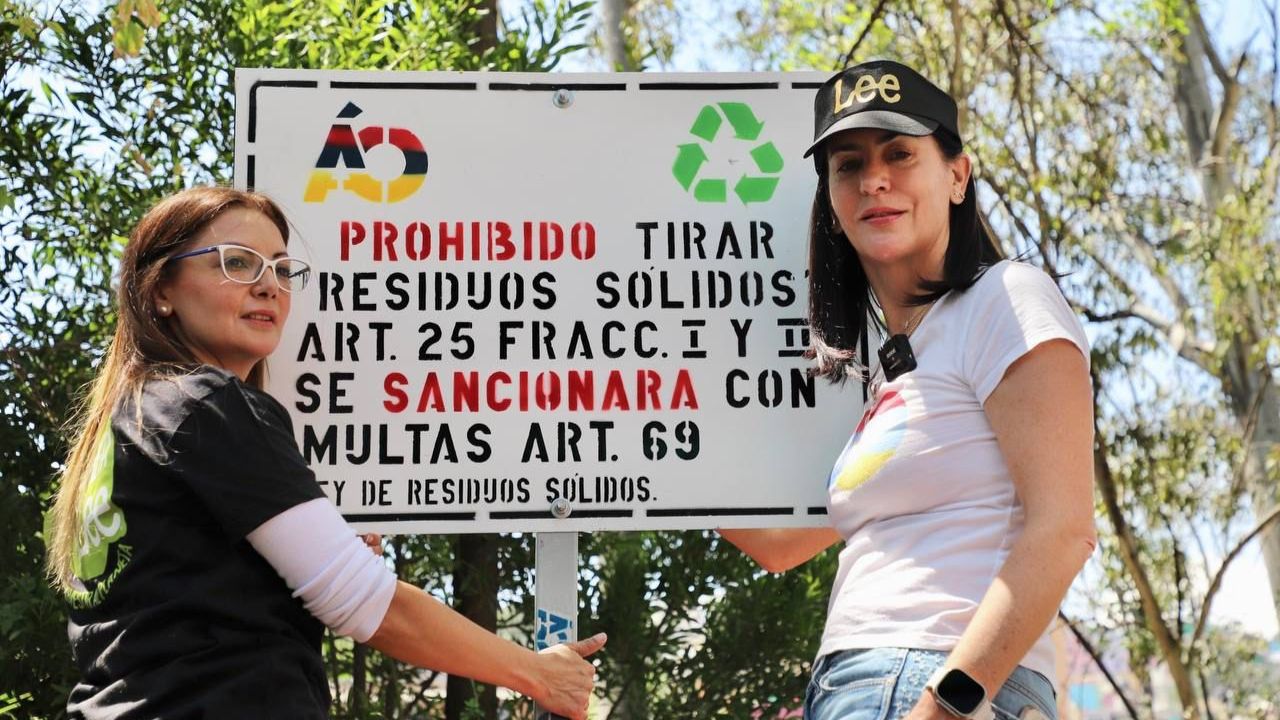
{"x": 840, "y": 298}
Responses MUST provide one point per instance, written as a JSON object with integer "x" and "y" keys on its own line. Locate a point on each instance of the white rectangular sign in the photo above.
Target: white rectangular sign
{"x": 534, "y": 288}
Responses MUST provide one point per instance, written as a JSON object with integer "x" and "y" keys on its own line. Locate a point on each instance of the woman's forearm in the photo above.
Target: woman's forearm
{"x": 780, "y": 549}
{"x": 456, "y": 645}
{"x": 1021, "y": 602}
{"x": 1042, "y": 415}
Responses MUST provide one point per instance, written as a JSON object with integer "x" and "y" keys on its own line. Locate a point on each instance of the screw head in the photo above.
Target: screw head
{"x": 561, "y": 508}
{"x": 562, "y": 98}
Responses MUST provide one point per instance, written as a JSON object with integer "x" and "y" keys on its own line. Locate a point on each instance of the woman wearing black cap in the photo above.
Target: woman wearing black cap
{"x": 964, "y": 495}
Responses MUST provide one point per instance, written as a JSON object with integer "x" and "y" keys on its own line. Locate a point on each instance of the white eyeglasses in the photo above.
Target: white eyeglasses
{"x": 245, "y": 266}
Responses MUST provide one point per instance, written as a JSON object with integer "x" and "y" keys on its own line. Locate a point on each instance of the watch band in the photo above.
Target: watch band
{"x": 982, "y": 712}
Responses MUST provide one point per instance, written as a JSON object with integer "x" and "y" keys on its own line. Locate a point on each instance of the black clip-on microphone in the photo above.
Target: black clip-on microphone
{"x": 896, "y": 357}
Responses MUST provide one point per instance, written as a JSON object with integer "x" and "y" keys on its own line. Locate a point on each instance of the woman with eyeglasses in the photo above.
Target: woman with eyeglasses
{"x": 199, "y": 556}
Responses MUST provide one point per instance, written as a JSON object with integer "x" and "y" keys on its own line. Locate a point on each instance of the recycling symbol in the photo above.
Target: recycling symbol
{"x": 756, "y": 185}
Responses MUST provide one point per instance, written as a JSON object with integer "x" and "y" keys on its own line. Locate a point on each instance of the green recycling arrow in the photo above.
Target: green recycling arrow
{"x": 710, "y": 190}
{"x": 707, "y": 124}
{"x": 744, "y": 122}
{"x": 767, "y": 158}
{"x": 689, "y": 159}
{"x": 755, "y": 189}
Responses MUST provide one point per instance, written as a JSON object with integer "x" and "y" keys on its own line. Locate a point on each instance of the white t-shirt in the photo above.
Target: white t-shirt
{"x": 921, "y": 492}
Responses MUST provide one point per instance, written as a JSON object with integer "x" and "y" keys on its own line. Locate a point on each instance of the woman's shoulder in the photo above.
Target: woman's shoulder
{"x": 186, "y": 387}
{"x": 169, "y": 397}
{"x": 1010, "y": 279}
{"x": 204, "y": 398}
{"x": 1013, "y": 274}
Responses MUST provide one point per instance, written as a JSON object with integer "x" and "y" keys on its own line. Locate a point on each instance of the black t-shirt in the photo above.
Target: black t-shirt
{"x": 181, "y": 618}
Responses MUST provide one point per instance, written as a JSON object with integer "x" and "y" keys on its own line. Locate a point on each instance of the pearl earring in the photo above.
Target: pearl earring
{"x": 164, "y": 310}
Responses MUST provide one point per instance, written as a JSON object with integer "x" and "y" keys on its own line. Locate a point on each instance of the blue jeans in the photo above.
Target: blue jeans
{"x": 885, "y": 683}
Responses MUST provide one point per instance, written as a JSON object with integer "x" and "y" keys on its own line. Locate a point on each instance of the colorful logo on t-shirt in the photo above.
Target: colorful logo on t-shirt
{"x": 874, "y": 442}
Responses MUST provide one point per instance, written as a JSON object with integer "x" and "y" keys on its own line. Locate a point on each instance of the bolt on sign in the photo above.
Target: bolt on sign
{"x": 548, "y": 302}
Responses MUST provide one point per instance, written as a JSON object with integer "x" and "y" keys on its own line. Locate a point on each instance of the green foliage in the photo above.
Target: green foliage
{"x": 1242, "y": 679}
{"x": 807, "y": 34}
{"x": 399, "y": 35}
{"x": 697, "y": 629}
{"x": 650, "y": 33}
{"x": 129, "y": 25}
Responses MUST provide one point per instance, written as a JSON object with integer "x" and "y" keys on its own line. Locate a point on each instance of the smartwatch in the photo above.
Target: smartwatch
{"x": 959, "y": 694}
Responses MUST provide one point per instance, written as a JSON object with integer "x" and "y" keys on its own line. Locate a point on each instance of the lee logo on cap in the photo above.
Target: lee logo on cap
{"x": 865, "y": 90}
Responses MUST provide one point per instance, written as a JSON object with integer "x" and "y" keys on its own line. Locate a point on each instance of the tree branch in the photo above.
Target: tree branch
{"x": 1178, "y": 333}
{"x": 957, "y": 52}
{"x": 1019, "y": 224}
{"x": 1049, "y": 67}
{"x": 1268, "y": 518}
{"x": 1130, "y": 556}
{"x": 1273, "y": 10}
{"x": 1137, "y": 50}
{"x": 1232, "y": 91}
{"x": 1175, "y": 333}
{"x": 1197, "y": 22}
{"x": 1179, "y": 573}
{"x": 875, "y": 15}
{"x": 1250, "y": 427}
{"x": 1097, "y": 660}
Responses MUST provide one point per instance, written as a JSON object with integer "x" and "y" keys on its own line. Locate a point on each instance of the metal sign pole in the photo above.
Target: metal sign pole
{"x": 555, "y": 593}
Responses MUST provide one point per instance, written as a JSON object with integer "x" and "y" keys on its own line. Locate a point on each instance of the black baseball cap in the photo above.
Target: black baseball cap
{"x": 881, "y": 94}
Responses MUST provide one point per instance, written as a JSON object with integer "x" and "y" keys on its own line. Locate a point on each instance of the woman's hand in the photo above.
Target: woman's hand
{"x": 566, "y": 678}
{"x": 927, "y": 708}
{"x": 421, "y": 630}
{"x": 374, "y": 541}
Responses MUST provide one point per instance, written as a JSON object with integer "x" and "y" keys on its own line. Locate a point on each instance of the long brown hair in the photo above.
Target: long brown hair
{"x": 145, "y": 345}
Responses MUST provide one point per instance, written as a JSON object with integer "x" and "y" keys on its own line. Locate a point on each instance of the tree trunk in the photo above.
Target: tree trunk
{"x": 1263, "y": 490}
{"x": 486, "y": 27}
{"x": 633, "y": 704}
{"x": 392, "y": 707}
{"x": 613, "y": 27}
{"x": 1167, "y": 643}
{"x": 357, "y": 698}
{"x": 475, "y": 586}
{"x": 475, "y": 564}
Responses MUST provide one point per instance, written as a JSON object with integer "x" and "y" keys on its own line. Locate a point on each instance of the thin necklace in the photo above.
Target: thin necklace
{"x": 913, "y": 323}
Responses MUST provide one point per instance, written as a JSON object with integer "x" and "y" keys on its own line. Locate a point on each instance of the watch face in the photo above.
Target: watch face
{"x": 961, "y": 691}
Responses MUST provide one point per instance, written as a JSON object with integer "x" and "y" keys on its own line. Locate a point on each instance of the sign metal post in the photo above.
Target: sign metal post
{"x": 556, "y": 593}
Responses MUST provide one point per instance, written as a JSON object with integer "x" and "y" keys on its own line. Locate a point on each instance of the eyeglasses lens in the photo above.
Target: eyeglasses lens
{"x": 245, "y": 266}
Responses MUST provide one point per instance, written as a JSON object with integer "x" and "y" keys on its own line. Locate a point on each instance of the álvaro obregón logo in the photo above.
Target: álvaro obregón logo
{"x": 345, "y": 149}
{"x": 756, "y": 184}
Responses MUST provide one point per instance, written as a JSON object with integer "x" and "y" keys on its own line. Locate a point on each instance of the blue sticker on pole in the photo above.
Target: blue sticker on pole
{"x": 552, "y": 630}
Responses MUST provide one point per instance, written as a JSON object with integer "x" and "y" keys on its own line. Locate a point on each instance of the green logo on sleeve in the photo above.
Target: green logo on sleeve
{"x": 102, "y": 523}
